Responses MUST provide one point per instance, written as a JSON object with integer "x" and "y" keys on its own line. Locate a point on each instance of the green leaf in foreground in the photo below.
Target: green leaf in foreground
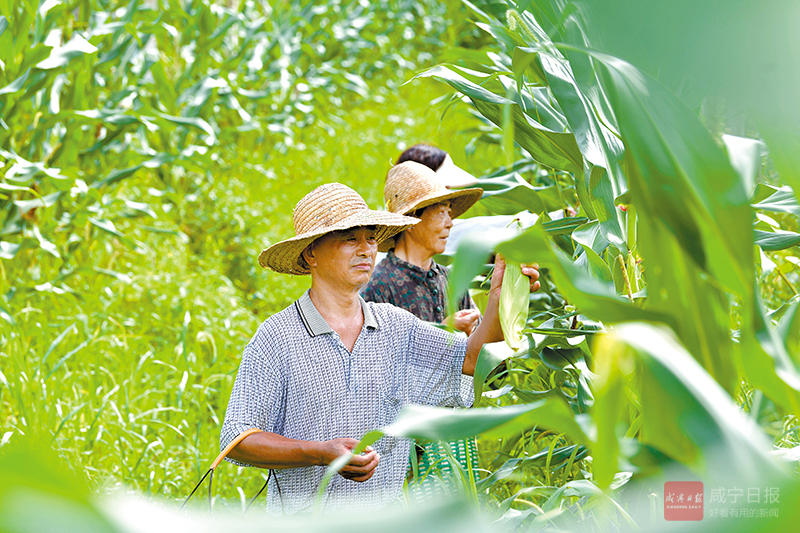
{"x": 434, "y": 423}
{"x": 679, "y": 174}
{"x": 593, "y": 297}
{"x": 685, "y": 413}
{"x": 490, "y": 356}
{"x": 440, "y": 423}
{"x": 472, "y": 254}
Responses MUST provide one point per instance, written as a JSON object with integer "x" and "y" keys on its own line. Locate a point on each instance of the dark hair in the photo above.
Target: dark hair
{"x": 426, "y": 154}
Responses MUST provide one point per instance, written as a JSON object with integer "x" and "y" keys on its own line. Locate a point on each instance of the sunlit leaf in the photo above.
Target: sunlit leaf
{"x": 8, "y": 250}
{"x": 421, "y": 422}
{"x": 45, "y": 244}
{"x": 44, "y": 202}
{"x": 473, "y": 252}
{"x": 776, "y": 240}
{"x": 194, "y": 122}
{"x": 745, "y": 155}
{"x": 594, "y": 298}
{"x": 5, "y": 313}
{"x": 550, "y": 148}
{"x": 686, "y": 413}
{"x": 782, "y": 201}
{"x": 16, "y": 85}
{"x": 75, "y": 47}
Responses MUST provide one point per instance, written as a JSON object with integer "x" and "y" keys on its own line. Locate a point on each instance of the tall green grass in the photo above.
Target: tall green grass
{"x": 122, "y": 350}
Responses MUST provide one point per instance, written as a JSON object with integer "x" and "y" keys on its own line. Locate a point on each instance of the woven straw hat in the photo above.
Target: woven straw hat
{"x": 330, "y": 207}
{"x": 411, "y": 186}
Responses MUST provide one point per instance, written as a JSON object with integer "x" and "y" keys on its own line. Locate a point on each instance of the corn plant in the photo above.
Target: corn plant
{"x": 148, "y": 152}
{"x": 149, "y": 149}
{"x": 645, "y": 216}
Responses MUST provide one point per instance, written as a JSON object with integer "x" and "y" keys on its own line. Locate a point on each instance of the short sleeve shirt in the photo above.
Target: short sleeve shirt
{"x": 297, "y": 379}
{"x": 422, "y": 292}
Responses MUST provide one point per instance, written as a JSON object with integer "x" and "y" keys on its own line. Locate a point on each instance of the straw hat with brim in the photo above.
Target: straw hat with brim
{"x": 411, "y": 186}
{"x": 330, "y": 207}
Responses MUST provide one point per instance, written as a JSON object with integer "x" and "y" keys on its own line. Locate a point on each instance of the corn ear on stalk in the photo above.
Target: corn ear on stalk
{"x": 514, "y": 298}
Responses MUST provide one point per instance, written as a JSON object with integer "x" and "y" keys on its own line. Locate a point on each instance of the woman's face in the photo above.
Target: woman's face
{"x": 433, "y": 228}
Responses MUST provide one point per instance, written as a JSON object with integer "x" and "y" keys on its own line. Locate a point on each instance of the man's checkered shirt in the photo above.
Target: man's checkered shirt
{"x": 298, "y": 380}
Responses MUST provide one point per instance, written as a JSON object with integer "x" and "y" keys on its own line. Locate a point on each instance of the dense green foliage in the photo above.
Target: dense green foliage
{"x": 129, "y": 283}
{"x": 151, "y": 150}
{"x": 654, "y": 223}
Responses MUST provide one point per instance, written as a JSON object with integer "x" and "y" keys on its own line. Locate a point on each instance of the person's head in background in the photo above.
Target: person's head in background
{"x": 440, "y": 162}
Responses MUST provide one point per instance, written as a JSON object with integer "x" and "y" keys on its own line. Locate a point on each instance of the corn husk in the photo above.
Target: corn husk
{"x": 514, "y": 298}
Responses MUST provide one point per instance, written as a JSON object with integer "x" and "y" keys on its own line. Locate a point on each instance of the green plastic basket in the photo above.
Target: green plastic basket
{"x": 435, "y": 475}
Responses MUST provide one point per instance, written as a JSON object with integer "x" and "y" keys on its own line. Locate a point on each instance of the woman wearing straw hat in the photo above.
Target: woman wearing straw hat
{"x": 409, "y": 277}
{"x": 320, "y": 374}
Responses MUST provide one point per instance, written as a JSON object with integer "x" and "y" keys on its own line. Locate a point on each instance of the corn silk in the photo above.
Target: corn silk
{"x": 514, "y": 298}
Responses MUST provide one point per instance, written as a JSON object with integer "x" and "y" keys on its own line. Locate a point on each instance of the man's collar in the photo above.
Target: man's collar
{"x": 316, "y": 325}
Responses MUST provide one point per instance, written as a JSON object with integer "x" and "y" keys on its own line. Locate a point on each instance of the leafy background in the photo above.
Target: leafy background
{"x": 151, "y": 149}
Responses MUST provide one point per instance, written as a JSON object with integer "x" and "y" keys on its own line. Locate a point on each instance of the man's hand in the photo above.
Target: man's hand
{"x": 530, "y": 270}
{"x": 464, "y": 320}
{"x": 361, "y": 467}
{"x": 490, "y": 329}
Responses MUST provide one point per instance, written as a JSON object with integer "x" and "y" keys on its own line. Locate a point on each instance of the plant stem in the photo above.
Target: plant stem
{"x": 625, "y": 278}
{"x": 783, "y": 277}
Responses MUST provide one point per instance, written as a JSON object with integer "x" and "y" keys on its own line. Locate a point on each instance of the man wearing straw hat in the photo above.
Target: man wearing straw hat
{"x": 320, "y": 374}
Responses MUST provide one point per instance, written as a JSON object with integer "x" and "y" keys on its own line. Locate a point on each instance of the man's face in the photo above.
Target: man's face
{"x": 433, "y": 228}
{"x": 344, "y": 257}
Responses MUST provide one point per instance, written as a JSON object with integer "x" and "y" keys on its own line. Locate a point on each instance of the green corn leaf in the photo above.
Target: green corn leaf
{"x": 489, "y": 358}
{"x": 16, "y": 85}
{"x": 471, "y": 255}
{"x": 564, "y": 226}
{"x": 45, "y": 244}
{"x": 432, "y": 423}
{"x": 789, "y": 328}
{"x": 57, "y": 341}
{"x": 686, "y": 414}
{"x": 766, "y": 360}
{"x": 505, "y": 192}
{"x": 44, "y": 202}
{"x": 194, "y": 122}
{"x": 745, "y": 155}
{"x": 594, "y": 298}
{"x": 776, "y": 240}
{"x": 59, "y": 57}
{"x": 5, "y": 312}
{"x": 551, "y": 148}
{"x": 679, "y": 174}
{"x": 781, "y": 201}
